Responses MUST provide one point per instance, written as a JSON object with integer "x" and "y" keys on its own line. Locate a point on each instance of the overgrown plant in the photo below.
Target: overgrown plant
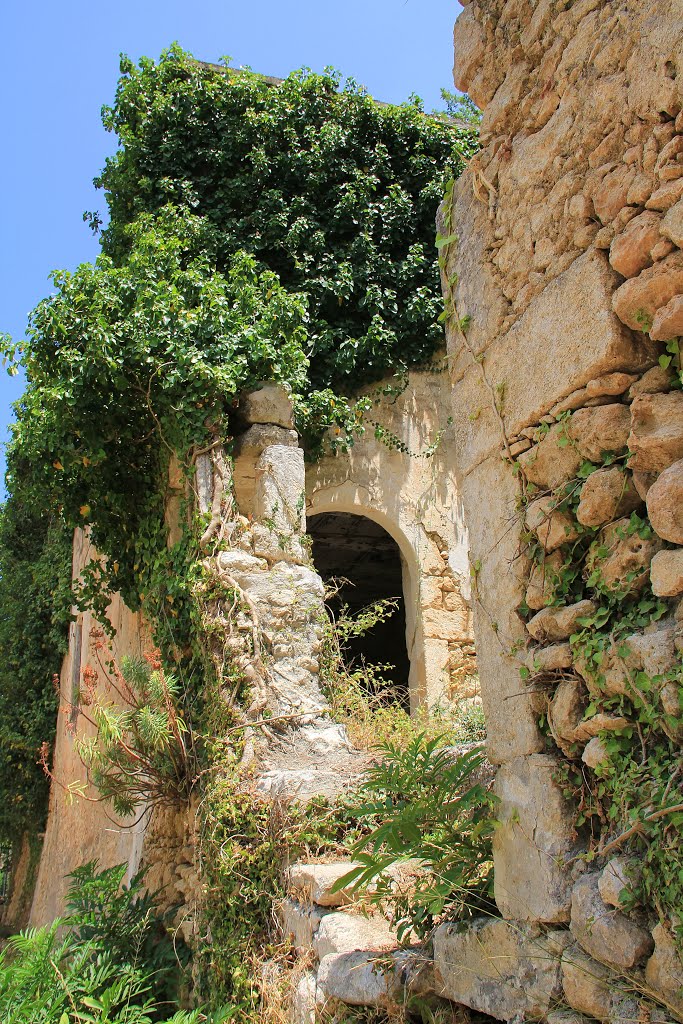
{"x": 425, "y": 803}
{"x": 103, "y": 964}
{"x": 256, "y": 231}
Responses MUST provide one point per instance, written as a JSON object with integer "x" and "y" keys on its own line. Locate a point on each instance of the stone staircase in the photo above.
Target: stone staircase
{"x": 354, "y": 956}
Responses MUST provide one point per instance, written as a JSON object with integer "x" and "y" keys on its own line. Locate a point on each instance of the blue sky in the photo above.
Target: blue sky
{"x": 60, "y": 64}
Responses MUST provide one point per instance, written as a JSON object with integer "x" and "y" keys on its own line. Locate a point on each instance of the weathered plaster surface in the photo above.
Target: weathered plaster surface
{"x": 79, "y": 830}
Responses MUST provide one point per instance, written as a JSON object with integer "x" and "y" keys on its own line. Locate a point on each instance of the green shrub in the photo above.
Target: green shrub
{"x": 108, "y": 962}
{"x": 423, "y": 803}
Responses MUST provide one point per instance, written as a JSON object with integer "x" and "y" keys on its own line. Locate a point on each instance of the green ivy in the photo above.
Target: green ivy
{"x": 255, "y": 231}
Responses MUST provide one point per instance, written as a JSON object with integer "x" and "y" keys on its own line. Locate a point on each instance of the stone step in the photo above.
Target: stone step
{"x": 345, "y": 933}
{"x": 312, "y": 883}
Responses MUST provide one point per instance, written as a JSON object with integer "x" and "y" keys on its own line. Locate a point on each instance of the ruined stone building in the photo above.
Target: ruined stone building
{"x": 560, "y": 418}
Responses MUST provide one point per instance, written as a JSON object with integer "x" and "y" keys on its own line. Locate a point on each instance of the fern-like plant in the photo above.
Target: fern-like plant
{"x": 425, "y": 804}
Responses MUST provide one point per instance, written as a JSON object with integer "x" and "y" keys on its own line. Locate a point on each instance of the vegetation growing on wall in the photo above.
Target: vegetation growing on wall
{"x": 256, "y": 231}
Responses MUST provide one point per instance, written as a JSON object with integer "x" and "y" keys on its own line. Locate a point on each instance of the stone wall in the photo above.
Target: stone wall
{"x": 79, "y": 830}
{"x": 410, "y": 491}
{"x": 563, "y": 288}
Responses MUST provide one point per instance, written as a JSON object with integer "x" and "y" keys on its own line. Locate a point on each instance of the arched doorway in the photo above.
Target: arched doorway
{"x": 359, "y": 552}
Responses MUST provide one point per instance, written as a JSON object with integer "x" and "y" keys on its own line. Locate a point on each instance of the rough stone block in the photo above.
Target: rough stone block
{"x": 552, "y": 526}
{"x": 667, "y": 322}
{"x": 622, "y": 559}
{"x": 606, "y": 495}
{"x": 559, "y": 623}
{"x": 498, "y": 590}
{"x": 280, "y": 497}
{"x": 638, "y": 299}
{"x": 313, "y": 882}
{"x": 533, "y": 842}
{"x": 267, "y": 404}
{"x": 505, "y": 969}
{"x": 304, "y": 1000}
{"x": 630, "y": 250}
{"x": 656, "y": 438}
{"x": 551, "y": 462}
{"x": 344, "y": 933}
{"x": 606, "y": 934}
{"x": 372, "y": 979}
{"x": 299, "y": 923}
{"x": 617, "y": 880}
{"x": 664, "y": 969}
{"x": 566, "y": 337}
{"x": 666, "y": 573}
{"x": 604, "y": 429}
{"x": 587, "y": 984}
{"x": 665, "y": 503}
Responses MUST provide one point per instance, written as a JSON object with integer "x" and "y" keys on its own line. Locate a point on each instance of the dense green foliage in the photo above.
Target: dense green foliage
{"x": 256, "y": 231}
{"x": 110, "y": 961}
{"x": 35, "y": 577}
{"x": 425, "y": 803}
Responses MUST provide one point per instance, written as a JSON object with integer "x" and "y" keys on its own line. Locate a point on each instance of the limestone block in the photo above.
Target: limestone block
{"x": 605, "y": 429}
{"x": 672, "y": 224}
{"x": 549, "y": 659}
{"x": 239, "y": 561}
{"x": 601, "y": 722}
{"x": 667, "y": 322}
{"x": 654, "y": 651}
{"x": 664, "y": 969}
{"x": 274, "y": 546}
{"x": 442, "y": 624}
{"x": 252, "y": 442}
{"x": 665, "y": 501}
{"x": 501, "y": 578}
{"x": 566, "y": 1017}
{"x": 587, "y": 984}
{"x": 551, "y": 462}
{"x": 638, "y": 299}
{"x": 469, "y": 43}
{"x": 610, "y": 196}
{"x": 656, "y": 438}
{"x": 299, "y": 922}
{"x": 566, "y": 337}
{"x": 344, "y": 933}
{"x": 606, "y": 934}
{"x": 666, "y": 573}
{"x": 630, "y": 252}
{"x": 657, "y": 378}
{"x": 313, "y": 882}
{"x": 566, "y": 712}
{"x": 607, "y": 494}
{"x": 542, "y": 581}
{"x": 375, "y": 979}
{"x": 559, "y": 623}
{"x": 552, "y": 526}
{"x": 611, "y": 384}
{"x": 505, "y": 969}
{"x": 304, "y": 1000}
{"x": 623, "y": 561}
{"x": 279, "y": 500}
{"x": 535, "y": 838}
{"x": 267, "y": 404}
{"x": 595, "y": 753}
{"x": 204, "y": 481}
{"x": 617, "y": 880}
{"x": 665, "y": 196}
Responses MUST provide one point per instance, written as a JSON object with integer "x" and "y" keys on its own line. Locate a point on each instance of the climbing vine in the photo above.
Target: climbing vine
{"x": 255, "y": 231}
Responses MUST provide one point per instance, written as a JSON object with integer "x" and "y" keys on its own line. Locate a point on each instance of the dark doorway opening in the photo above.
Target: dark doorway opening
{"x": 358, "y": 551}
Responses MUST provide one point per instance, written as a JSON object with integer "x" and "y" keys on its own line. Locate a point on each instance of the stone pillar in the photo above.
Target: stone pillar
{"x": 297, "y": 749}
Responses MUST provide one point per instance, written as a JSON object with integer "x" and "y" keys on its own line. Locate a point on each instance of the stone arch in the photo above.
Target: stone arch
{"x": 433, "y": 556}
